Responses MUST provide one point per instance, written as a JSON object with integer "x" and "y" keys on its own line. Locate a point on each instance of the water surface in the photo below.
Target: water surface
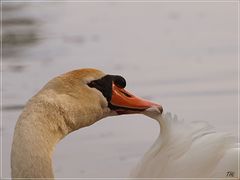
{"x": 182, "y": 55}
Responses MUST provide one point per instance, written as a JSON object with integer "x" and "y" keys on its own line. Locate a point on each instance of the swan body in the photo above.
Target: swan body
{"x": 66, "y": 103}
{"x": 189, "y": 150}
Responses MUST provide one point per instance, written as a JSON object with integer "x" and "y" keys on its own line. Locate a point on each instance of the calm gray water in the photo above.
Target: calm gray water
{"x": 182, "y": 55}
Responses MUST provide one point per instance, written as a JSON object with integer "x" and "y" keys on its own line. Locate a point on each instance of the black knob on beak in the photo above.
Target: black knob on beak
{"x": 119, "y": 81}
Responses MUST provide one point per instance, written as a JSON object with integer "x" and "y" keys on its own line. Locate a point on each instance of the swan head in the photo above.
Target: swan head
{"x": 92, "y": 94}
{"x": 119, "y": 100}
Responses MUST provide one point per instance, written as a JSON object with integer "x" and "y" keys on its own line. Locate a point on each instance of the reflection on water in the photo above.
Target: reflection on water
{"x": 12, "y": 108}
{"x": 18, "y": 30}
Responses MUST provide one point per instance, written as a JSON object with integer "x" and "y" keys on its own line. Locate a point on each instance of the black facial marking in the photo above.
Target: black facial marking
{"x": 104, "y": 85}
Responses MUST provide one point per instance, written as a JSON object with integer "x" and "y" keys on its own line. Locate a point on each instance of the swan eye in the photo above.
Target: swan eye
{"x": 119, "y": 81}
{"x": 92, "y": 84}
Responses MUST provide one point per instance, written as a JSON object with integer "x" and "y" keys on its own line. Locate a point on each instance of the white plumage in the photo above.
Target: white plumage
{"x": 189, "y": 150}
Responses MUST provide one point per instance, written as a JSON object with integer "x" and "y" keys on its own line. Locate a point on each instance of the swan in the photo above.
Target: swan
{"x": 189, "y": 150}
{"x": 82, "y": 97}
{"x": 65, "y": 104}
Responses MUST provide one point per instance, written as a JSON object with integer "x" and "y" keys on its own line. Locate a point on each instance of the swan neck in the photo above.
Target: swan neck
{"x": 34, "y": 140}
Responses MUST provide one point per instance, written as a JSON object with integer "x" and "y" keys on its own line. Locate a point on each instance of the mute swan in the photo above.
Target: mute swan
{"x": 65, "y": 104}
{"x": 189, "y": 150}
{"x": 82, "y": 97}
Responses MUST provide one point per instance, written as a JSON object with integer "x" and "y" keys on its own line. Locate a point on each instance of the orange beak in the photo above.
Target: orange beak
{"x": 126, "y": 103}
